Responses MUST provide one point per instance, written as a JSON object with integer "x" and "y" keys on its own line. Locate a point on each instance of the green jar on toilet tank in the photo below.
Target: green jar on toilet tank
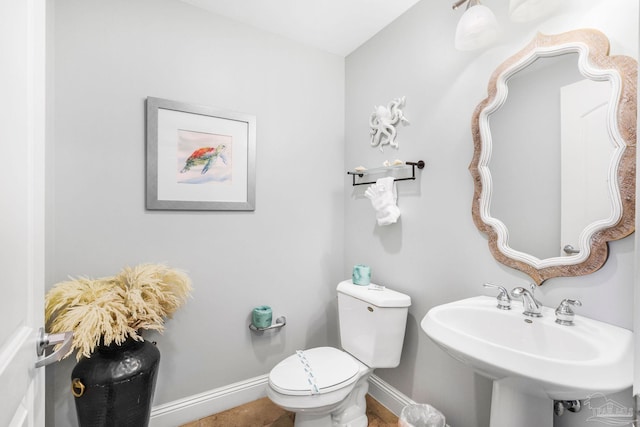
{"x": 361, "y": 275}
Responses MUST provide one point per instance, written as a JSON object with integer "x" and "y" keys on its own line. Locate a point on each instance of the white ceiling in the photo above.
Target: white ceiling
{"x": 336, "y": 26}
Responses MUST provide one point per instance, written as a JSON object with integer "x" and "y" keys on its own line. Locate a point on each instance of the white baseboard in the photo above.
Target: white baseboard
{"x": 388, "y": 396}
{"x": 201, "y": 405}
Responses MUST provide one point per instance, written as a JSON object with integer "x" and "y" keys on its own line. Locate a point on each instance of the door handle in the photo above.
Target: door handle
{"x": 46, "y": 340}
{"x": 570, "y": 250}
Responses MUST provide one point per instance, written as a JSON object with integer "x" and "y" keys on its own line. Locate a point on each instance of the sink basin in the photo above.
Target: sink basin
{"x": 532, "y": 361}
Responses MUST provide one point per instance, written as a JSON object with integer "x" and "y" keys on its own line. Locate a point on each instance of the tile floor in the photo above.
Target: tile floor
{"x": 264, "y": 413}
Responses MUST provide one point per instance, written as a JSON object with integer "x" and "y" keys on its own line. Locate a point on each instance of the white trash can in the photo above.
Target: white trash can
{"x": 421, "y": 415}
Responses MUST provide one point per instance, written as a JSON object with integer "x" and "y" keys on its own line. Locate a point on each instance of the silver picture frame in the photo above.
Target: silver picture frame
{"x": 199, "y": 157}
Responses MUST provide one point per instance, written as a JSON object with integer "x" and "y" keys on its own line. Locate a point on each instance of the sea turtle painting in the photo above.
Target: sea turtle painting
{"x": 204, "y": 156}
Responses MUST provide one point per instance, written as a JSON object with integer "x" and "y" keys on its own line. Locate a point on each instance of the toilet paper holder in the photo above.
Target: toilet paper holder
{"x": 279, "y": 323}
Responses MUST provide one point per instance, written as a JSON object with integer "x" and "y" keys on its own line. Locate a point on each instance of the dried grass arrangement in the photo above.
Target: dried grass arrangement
{"x": 111, "y": 309}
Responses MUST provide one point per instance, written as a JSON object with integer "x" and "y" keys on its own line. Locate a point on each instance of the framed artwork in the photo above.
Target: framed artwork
{"x": 199, "y": 158}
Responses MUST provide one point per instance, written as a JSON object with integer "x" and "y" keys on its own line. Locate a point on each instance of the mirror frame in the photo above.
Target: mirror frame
{"x": 594, "y": 63}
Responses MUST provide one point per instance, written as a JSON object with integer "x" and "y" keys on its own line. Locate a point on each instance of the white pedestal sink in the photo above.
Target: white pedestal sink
{"x": 532, "y": 361}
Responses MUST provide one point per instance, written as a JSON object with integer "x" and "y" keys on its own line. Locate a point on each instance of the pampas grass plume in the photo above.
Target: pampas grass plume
{"x": 111, "y": 309}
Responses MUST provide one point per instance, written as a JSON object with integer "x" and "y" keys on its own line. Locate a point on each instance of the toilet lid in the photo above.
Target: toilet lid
{"x": 315, "y": 371}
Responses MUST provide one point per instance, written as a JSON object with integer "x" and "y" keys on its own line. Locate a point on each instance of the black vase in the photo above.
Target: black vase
{"x": 114, "y": 387}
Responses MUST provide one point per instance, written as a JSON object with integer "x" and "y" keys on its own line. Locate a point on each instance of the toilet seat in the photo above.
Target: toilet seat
{"x": 315, "y": 371}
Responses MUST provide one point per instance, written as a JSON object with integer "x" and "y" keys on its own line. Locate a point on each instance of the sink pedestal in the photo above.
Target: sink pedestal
{"x": 513, "y": 405}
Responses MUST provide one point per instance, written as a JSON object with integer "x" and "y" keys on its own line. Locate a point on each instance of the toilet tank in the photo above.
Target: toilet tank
{"x": 372, "y": 323}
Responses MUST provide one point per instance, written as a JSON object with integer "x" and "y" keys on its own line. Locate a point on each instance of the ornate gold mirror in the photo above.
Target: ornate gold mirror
{"x": 554, "y": 155}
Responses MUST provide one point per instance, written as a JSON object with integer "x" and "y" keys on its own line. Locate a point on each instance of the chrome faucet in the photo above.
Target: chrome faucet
{"x": 564, "y": 313}
{"x": 504, "y": 301}
{"x": 532, "y": 307}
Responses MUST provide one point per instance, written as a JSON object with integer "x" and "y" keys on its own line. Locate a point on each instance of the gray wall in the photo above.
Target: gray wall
{"x": 109, "y": 56}
{"x": 435, "y": 253}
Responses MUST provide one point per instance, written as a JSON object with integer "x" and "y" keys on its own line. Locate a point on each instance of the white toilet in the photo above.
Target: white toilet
{"x": 325, "y": 386}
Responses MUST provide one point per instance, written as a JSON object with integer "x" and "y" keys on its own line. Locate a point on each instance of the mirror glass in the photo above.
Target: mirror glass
{"x": 551, "y": 155}
{"x": 554, "y": 155}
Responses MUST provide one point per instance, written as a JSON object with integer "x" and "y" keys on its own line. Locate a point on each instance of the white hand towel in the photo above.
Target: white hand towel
{"x": 383, "y": 198}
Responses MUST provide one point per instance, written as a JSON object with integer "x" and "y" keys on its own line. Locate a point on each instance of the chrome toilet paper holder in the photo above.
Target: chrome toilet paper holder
{"x": 279, "y": 323}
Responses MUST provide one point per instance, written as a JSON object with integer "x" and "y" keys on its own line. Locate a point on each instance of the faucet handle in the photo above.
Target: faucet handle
{"x": 504, "y": 300}
{"x": 564, "y": 313}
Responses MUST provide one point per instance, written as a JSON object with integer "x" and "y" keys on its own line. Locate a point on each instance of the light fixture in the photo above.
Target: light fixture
{"x": 477, "y": 27}
{"x": 528, "y": 10}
